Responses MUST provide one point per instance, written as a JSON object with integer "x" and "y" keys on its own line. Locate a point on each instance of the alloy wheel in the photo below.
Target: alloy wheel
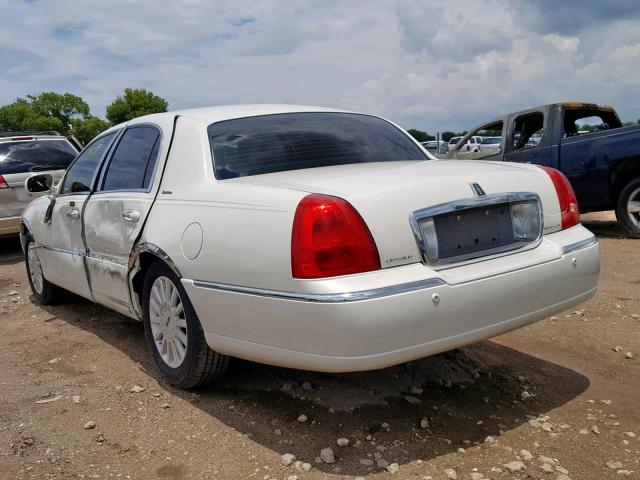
{"x": 168, "y": 322}
{"x": 633, "y": 207}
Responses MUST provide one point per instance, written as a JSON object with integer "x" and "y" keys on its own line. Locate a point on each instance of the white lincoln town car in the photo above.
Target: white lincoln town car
{"x": 304, "y": 237}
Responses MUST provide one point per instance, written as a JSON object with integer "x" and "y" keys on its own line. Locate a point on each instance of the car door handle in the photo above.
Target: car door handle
{"x": 73, "y": 213}
{"x": 131, "y": 215}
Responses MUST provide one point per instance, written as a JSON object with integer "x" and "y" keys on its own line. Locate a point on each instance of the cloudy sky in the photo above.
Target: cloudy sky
{"x": 427, "y": 64}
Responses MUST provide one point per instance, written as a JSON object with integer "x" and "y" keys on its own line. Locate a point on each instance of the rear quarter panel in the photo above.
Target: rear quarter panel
{"x": 245, "y": 230}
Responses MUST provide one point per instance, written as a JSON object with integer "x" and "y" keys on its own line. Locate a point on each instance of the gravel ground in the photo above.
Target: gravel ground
{"x": 79, "y": 398}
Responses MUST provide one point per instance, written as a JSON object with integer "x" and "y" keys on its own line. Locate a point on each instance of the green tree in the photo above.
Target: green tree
{"x": 420, "y": 136}
{"x": 88, "y": 128}
{"x": 446, "y": 136}
{"x": 45, "y": 111}
{"x": 63, "y": 106}
{"x": 20, "y": 116}
{"x": 135, "y": 103}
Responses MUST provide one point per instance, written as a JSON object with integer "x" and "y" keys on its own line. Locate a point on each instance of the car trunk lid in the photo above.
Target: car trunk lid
{"x": 387, "y": 194}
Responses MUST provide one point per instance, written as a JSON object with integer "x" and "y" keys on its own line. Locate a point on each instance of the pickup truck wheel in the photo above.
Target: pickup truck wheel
{"x": 44, "y": 292}
{"x": 174, "y": 333}
{"x": 628, "y": 208}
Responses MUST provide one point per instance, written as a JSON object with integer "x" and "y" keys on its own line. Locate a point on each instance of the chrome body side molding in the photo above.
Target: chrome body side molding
{"x": 579, "y": 245}
{"x": 326, "y": 297}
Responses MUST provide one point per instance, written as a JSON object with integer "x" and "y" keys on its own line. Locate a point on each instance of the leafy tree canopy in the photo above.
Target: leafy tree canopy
{"x": 20, "y": 115}
{"x": 446, "y": 136}
{"x": 65, "y": 113}
{"x": 86, "y": 129}
{"x": 135, "y": 103}
{"x": 420, "y": 136}
{"x": 63, "y": 106}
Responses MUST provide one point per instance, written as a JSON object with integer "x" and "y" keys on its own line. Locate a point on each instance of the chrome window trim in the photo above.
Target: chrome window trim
{"x": 573, "y": 247}
{"x": 458, "y": 205}
{"x": 343, "y": 297}
{"x": 98, "y": 169}
{"x": 98, "y": 187}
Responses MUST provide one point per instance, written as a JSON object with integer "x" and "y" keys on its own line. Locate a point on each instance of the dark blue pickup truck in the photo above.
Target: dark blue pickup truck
{"x": 601, "y": 160}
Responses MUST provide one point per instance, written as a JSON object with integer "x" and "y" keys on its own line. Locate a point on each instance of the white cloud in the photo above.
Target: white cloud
{"x": 426, "y": 64}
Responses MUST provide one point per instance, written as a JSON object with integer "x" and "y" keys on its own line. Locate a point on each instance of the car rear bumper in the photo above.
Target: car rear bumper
{"x": 9, "y": 226}
{"x": 333, "y": 326}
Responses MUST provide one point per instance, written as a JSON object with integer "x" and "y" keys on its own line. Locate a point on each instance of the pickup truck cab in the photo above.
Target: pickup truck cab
{"x": 602, "y": 164}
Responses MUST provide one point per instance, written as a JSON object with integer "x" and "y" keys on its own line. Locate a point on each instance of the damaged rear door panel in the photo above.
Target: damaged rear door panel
{"x": 116, "y": 212}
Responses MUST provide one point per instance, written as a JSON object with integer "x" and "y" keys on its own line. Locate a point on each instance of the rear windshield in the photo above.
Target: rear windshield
{"x": 291, "y": 141}
{"x": 35, "y": 156}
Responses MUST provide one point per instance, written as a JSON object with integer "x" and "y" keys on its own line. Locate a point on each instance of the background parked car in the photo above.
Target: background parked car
{"x": 435, "y": 146}
{"x": 473, "y": 143}
{"x": 490, "y": 144}
{"x": 452, "y": 143}
{"x": 21, "y": 155}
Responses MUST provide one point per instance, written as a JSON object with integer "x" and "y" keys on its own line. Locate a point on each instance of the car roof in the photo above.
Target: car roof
{"x": 220, "y": 113}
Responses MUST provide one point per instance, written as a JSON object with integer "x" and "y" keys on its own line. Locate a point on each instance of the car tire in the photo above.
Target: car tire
{"x": 174, "y": 333}
{"x": 626, "y": 214}
{"x": 44, "y": 292}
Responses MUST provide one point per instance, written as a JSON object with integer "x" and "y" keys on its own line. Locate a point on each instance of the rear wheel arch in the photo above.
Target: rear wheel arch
{"x": 25, "y": 234}
{"x": 625, "y": 173}
{"x": 144, "y": 255}
{"x": 629, "y": 219}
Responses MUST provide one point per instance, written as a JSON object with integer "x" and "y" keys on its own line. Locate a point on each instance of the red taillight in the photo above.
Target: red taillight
{"x": 21, "y": 138}
{"x": 330, "y": 238}
{"x": 566, "y": 196}
{"x": 3, "y": 183}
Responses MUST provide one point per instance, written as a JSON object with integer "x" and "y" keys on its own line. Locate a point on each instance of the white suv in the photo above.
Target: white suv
{"x": 21, "y": 155}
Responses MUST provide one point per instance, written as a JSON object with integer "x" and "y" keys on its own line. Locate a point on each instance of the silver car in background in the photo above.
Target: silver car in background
{"x": 21, "y": 155}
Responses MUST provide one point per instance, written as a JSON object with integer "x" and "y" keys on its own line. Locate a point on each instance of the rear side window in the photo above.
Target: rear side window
{"x": 528, "y": 130}
{"x": 133, "y": 161}
{"x": 35, "y": 156}
{"x": 292, "y": 141}
{"x": 585, "y": 120}
{"x": 80, "y": 175}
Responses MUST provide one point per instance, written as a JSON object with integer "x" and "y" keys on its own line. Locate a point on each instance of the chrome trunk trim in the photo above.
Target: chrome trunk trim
{"x": 458, "y": 205}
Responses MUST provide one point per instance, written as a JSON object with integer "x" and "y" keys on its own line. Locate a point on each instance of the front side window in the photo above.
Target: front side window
{"x": 484, "y": 143}
{"x": 80, "y": 174}
{"x": 292, "y": 141}
{"x": 133, "y": 161}
{"x": 35, "y": 156}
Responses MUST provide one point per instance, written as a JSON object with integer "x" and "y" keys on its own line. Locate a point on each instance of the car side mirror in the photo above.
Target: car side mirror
{"x": 40, "y": 183}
